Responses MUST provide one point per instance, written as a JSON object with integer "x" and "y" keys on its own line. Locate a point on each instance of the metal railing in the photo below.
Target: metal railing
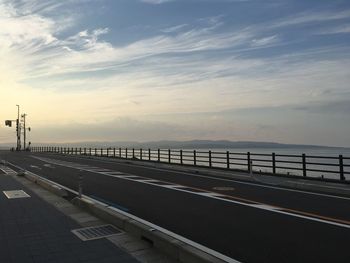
{"x": 334, "y": 168}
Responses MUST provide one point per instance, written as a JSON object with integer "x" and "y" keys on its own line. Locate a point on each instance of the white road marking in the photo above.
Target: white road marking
{"x": 257, "y": 205}
{"x": 151, "y": 225}
{"x": 35, "y": 167}
{"x": 223, "y": 179}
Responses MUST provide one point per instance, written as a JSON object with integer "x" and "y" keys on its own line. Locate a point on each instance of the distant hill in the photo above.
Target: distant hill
{"x": 193, "y": 144}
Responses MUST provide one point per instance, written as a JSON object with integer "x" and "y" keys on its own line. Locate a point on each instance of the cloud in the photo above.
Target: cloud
{"x": 341, "y": 107}
{"x": 186, "y": 69}
{"x": 174, "y": 28}
{"x": 341, "y": 29}
{"x": 266, "y": 41}
{"x": 311, "y": 17}
{"x": 156, "y": 2}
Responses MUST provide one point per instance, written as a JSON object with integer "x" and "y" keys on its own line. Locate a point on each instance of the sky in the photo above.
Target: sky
{"x": 146, "y": 70}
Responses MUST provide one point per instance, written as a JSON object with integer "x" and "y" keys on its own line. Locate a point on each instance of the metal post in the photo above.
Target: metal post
{"x": 18, "y": 126}
{"x": 95, "y": 152}
{"x": 80, "y": 151}
{"x": 341, "y": 168}
{"x": 24, "y": 131}
{"x": 141, "y": 154}
{"x": 126, "y": 153}
{"x": 181, "y": 161}
{"x": 114, "y": 152}
{"x": 273, "y": 163}
{"x": 158, "y": 155}
{"x": 248, "y": 161}
{"x": 194, "y": 158}
{"x": 228, "y": 160}
{"x": 304, "y": 164}
{"x": 209, "y": 158}
{"x": 133, "y": 153}
{"x": 101, "y": 152}
{"x": 149, "y": 154}
{"x": 120, "y": 152}
{"x": 169, "y": 156}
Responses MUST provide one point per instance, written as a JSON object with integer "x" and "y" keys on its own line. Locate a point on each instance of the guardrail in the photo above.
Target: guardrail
{"x": 328, "y": 168}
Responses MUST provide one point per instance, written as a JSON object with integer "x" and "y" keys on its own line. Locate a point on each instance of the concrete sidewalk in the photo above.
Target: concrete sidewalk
{"x": 32, "y": 230}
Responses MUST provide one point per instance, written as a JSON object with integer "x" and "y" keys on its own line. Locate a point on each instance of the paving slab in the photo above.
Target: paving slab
{"x": 32, "y": 230}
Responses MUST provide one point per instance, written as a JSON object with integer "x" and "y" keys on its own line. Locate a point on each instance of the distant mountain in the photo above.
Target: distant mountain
{"x": 193, "y": 144}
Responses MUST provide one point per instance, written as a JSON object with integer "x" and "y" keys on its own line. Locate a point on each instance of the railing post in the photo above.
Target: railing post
{"x": 158, "y": 155}
{"x": 126, "y": 153}
{"x": 248, "y": 160}
{"x": 90, "y": 151}
{"x": 181, "y": 161}
{"x": 120, "y": 152}
{"x": 194, "y": 158}
{"x": 341, "y": 168}
{"x": 273, "y": 163}
{"x": 169, "y": 156}
{"x": 209, "y": 158}
{"x": 141, "y": 154}
{"x": 133, "y": 153}
{"x": 95, "y": 152}
{"x": 84, "y": 151}
{"x": 114, "y": 152}
{"x": 228, "y": 160}
{"x": 80, "y": 151}
{"x": 149, "y": 154}
{"x": 101, "y": 152}
{"x": 304, "y": 164}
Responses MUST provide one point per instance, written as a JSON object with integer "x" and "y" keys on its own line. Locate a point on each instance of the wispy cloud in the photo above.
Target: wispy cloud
{"x": 185, "y": 68}
{"x": 156, "y": 2}
{"x": 264, "y": 41}
{"x": 174, "y": 28}
{"x": 340, "y": 29}
{"x": 311, "y": 17}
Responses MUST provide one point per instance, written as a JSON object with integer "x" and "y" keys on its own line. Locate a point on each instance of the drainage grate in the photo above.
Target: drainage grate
{"x": 16, "y": 194}
{"x": 96, "y": 232}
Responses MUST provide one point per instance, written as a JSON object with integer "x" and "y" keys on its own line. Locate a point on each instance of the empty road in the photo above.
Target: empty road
{"x": 249, "y": 222}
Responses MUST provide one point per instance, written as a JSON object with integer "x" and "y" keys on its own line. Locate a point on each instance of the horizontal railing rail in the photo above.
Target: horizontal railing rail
{"x": 335, "y": 168}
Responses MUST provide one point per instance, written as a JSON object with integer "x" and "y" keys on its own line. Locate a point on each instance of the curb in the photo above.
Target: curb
{"x": 50, "y": 187}
{"x": 176, "y": 249}
{"x": 171, "y": 246}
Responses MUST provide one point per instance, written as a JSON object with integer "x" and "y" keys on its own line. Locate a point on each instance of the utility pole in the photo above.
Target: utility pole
{"x": 18, "y": 129}
{"x": 24, "y": 131}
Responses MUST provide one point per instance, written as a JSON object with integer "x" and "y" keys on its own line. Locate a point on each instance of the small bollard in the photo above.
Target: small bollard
{"x": 80, "y": 184}
{"x": 251, "y": 167}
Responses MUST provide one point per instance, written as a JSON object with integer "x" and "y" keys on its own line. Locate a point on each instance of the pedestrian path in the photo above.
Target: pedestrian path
{"x": 32, "y": 230}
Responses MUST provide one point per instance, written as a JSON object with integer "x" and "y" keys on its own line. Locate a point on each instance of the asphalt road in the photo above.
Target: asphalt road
{"x": 246, "y": 221}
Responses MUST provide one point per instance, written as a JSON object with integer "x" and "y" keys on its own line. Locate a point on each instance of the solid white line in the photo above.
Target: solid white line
{"x": 257, "y": 205}
{"x": 221, "y": 179}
